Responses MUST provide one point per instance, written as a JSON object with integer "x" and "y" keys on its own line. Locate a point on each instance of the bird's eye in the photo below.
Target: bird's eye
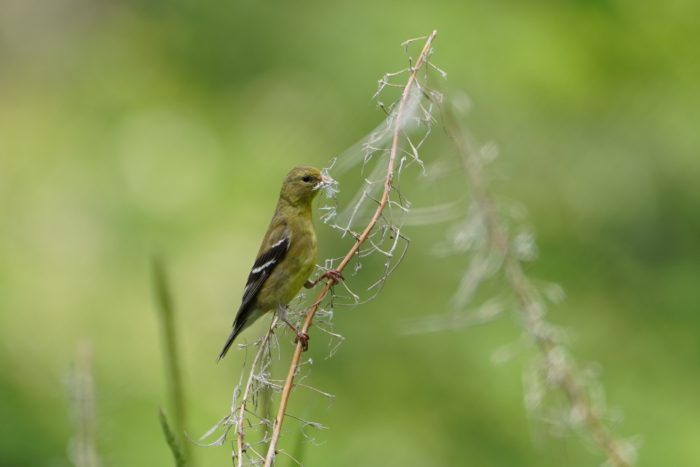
{"x": 306, "y": 178}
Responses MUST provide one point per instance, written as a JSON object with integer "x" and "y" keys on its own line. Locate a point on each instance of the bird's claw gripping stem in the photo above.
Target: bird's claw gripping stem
{"x": 334, "y": 275}
{"x": 301, "y": 336}
{"x": 304, "y": 339}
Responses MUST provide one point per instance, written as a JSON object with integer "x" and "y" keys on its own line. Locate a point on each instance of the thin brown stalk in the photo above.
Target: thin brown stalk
{"x": 388, "y": 179}
{"x": 240, "y": 433}
{"x": 527, "y": 300}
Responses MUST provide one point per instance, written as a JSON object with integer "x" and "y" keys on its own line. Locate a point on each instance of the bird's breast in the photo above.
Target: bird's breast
{"x": 303, "y": 253}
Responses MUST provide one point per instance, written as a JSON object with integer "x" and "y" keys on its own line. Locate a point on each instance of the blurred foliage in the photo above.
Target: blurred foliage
{"x": 131, "y": 127}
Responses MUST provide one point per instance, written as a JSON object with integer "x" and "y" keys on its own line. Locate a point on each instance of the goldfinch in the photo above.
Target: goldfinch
{"x": 287, "y": 256}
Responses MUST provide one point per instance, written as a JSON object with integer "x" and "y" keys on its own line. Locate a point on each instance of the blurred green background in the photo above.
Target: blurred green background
{"x": 130, "y": 127}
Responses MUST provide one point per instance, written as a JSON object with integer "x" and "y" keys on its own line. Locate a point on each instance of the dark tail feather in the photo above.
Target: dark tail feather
{"x": 237, "y": 328}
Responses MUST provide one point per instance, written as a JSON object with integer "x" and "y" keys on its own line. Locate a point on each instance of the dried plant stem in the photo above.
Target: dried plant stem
{"x": 527, "y": 300}
{"x": 240, "y": 446}
{"x": 388, "y": 179}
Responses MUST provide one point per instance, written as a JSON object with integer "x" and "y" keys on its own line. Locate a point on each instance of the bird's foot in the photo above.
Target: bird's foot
{"x": 304, "y": 339}
{"x": 301, "y": 336}
{"x": 334, "y": 275}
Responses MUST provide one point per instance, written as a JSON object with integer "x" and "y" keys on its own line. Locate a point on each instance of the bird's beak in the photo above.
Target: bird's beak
{"x": 325, "y": 182}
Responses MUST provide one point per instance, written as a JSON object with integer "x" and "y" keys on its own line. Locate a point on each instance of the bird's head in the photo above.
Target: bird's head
{"x": 302, "y": 184}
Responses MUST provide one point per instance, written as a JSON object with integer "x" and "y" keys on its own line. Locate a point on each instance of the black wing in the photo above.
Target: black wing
{"x": 261, "y": 270}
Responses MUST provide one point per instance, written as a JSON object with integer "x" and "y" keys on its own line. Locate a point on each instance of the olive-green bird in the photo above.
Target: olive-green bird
{"x": 287, "y": 256}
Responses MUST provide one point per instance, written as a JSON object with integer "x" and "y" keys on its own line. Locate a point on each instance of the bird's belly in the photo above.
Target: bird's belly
{"x": 285, "y": 282}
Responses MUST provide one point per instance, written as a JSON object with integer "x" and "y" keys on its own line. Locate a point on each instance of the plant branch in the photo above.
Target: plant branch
{"x": 388, "y": 179}
{"x": 246, "y": 393}
{"x": 526, "y": 297}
